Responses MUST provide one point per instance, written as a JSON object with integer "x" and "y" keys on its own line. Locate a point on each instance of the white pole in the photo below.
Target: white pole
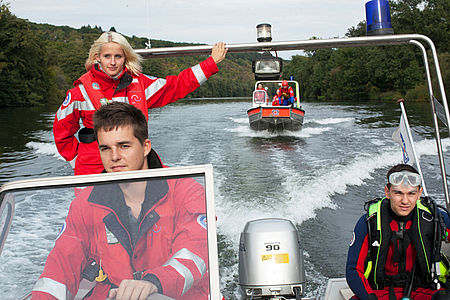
{"x": 408, "y": 130}
{"x": 149, "y": 43}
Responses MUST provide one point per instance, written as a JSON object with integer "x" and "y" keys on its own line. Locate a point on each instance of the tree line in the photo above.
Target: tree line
{"x": 39, "y": 62}
{"x": 369, "y": 73}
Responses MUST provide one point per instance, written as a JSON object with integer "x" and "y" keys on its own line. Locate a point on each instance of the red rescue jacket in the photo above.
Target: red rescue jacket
{"x": 285, "y": 93}
{"x": 95, "y": 88}
{"x": 169, "y": 250}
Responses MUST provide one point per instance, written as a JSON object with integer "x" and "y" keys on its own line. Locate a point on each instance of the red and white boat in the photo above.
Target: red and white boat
{"x": 266, "y": 115}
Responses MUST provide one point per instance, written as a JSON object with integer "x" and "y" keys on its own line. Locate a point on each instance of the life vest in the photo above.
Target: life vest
{"x": 420, "y": 235}
{"x": 135, "y": 94}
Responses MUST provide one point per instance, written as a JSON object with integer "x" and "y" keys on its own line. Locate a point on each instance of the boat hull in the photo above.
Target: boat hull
{"x": 275, "y": 118}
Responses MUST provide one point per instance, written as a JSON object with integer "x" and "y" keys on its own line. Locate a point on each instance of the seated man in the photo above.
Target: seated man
{"x": 285, "y": 94}
{"x": 392, "y": 253}
{"x": 275, "y": 101}
{"x": 137, "y": 238}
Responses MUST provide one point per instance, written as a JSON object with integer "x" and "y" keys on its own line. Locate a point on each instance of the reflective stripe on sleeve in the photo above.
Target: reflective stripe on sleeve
{"x": 154, "y": 87}
{"x": 198, "y": 73}
{"x": 183, "y": 270}
{"x": 68, "y": 110}
{"x": 52, "y": 287}
{"x": 186, "y": 254}
{"x": 80, "y": 105}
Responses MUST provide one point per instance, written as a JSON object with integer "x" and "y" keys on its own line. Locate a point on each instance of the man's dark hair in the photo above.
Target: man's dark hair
{"x": 119, "y": 114}
{"x": 399, "y": 168}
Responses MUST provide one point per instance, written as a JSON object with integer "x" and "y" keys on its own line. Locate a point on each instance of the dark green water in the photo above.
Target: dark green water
{"x": 318, "y": 177}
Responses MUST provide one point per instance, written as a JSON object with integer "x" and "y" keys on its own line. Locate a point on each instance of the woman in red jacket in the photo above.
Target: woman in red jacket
{"x": 114, "y": 74}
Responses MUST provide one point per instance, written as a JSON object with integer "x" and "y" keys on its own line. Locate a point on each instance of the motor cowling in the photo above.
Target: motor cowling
{"x": 270, "y": 260}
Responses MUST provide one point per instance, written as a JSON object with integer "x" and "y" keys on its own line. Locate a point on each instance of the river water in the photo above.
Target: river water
{"x": 319, "y": 177}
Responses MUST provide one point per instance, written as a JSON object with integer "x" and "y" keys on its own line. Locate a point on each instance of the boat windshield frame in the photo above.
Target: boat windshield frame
{"x": 296, "y": 90}
{"x": 205, "y": 171}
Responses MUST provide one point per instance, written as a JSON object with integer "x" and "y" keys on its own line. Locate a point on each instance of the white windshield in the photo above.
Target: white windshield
{"x": 153, "y": 229}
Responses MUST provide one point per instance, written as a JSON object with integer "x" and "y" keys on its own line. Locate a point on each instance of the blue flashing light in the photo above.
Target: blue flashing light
{"x": 378, "y": 18}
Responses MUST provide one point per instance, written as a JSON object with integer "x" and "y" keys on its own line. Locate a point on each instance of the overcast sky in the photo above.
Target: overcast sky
{"x": 200, "y": 21}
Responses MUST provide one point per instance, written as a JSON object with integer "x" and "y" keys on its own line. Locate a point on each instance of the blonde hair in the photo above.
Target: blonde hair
{"x": 132, "y": 60}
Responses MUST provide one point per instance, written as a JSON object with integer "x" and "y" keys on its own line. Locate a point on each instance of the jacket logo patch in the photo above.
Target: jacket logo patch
{"x": 110, "y": 238}
{"x": 63, "y": 228}
{"x": 353, "y": 239}
{"x": 201, "y": 219}
{"x": 67, "y": 100}
{"x": 376, "y": 244}
{"x": 135, "y": 98}
{"x": 95, "y": 86}
{"x": 156, "y": 228}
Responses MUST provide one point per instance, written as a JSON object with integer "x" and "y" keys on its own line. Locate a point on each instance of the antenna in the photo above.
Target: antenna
{"x": 148, "y": 44}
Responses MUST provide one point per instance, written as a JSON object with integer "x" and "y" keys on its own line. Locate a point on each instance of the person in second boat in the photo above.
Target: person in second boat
{"x": 393, "y": 253}
{"x": 260, "y": 95}
{"x": 275, "y": 101}
{"x": 285, "y": 94}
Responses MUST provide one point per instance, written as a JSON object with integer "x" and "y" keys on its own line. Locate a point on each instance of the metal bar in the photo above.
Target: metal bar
{"x": 365, "y": 41}
{"x": 435, "y": 122}
{"x": 408, "y": 131}
{"x": 285, "y": 46}
{"x": 439, "y": 77}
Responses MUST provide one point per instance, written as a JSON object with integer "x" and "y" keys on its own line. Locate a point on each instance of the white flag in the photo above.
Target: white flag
{"x": 401, "y": 136}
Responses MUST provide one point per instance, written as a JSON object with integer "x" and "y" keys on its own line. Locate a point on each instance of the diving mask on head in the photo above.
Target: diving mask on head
{"x": 405, "y": 177}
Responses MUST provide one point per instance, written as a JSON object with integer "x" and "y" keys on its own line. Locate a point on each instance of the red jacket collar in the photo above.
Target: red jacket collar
{"x": 101, "y": 76}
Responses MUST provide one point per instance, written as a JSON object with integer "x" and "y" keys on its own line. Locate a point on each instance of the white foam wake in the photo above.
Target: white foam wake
{"x": 300, "y": 195}
{"x": 328, "y": 121}
{"x": 246, "y": 131}
{"x": 44, "y": 148}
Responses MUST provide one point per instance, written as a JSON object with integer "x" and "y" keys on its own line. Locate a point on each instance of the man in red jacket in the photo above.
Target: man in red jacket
{"x": 114, "y": 74}
{"x": 285, "y": 94}
{"x": 135, "y": 238}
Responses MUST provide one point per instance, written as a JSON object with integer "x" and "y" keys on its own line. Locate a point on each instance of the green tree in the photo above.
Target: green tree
{"x": 430, "y": 18}
{"x": 378, "y": 72}
{"x": 24, "y": 78}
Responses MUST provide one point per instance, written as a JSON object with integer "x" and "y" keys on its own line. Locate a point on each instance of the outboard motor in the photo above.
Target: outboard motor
{"x": 271, "y": 260}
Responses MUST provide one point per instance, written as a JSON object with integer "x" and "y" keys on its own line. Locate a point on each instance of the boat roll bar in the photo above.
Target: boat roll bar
{"x": 365, "y": 41}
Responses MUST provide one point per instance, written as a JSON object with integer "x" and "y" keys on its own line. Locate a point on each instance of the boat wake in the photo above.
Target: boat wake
{"x": 305, "y": 190}
{"x": 246, "y": 131}
{"x": 328, "y": 121}
{"x": 44, "y": 148}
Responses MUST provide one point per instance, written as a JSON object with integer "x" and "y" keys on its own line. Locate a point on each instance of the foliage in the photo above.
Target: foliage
{"x": 39, "y": 62}
{"x": 378, "y": 72}
{"x": 24, "y": 79}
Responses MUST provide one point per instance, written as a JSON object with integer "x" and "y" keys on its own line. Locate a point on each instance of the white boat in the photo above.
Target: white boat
{"x": 23, "y": 195}
{"x": 266, "y": 115}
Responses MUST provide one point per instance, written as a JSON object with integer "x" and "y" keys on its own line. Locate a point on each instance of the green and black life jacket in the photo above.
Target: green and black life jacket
{"x": 420, "y": 234}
